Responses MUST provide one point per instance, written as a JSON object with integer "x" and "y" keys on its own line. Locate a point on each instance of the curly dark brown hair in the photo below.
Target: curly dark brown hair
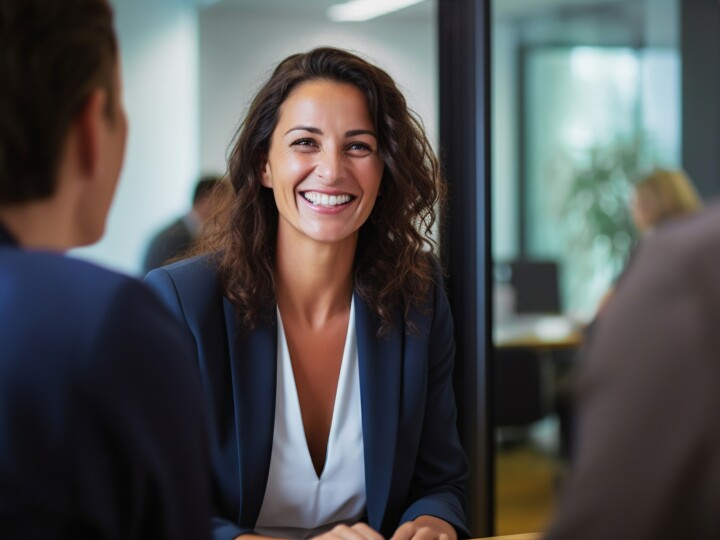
{"x": 392, "y": 265}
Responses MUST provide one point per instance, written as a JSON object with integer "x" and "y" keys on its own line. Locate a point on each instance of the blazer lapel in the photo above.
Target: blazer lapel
{"x": 380, "y": 366}
{"x": 253, "y": 362}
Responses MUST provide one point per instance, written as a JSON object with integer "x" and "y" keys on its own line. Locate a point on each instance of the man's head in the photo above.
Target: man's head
{"x": 202, "y": 200}
{"x": 60, "y": 110}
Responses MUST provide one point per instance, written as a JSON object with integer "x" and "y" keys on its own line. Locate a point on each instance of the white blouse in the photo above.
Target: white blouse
{"x": 298, "y": 504}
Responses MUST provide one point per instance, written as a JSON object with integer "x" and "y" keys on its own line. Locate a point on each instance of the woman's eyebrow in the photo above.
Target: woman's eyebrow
{"x": 318, "y": 131}
{"x": 354, "y": 132}
{"x": 311, "y": 129}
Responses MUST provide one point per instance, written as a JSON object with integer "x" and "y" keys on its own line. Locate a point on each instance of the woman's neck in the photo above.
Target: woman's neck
{"x": 314, "y": 280}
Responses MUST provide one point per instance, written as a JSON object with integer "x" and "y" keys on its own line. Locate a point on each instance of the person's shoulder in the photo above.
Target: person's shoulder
{"x": 437, "y": 274}
{"x": 192, "y": 282}
{"x": 687, "y": 249}
{"x": 666, "y": 304}
{"x": 200, "y": 264}
{"x": 72, "y": 306}
{"x": 435, "y": 302}
{"x": 57, "y": 277}
{"x": 96, "y": 292}
{"x": 199, "y": 271}
{"x": 694, "y": 231}
{"x": 434, "y": 261}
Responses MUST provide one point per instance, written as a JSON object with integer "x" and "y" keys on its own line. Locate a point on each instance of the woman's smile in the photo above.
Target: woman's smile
{"x": 327, "y": 202}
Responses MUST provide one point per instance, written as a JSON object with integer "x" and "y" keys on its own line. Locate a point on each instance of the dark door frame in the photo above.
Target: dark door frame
{"x": 464, "y": 73}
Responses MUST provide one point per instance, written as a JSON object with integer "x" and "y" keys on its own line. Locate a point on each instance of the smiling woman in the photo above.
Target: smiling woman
{"x": 390, "y": 267}
{"x": 323, "y": 166}
{"x": 322, "y": 330}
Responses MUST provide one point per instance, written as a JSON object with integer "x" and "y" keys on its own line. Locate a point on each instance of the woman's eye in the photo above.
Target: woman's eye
{"x": 304, "y": 144}
{"x": 360, "y": 149}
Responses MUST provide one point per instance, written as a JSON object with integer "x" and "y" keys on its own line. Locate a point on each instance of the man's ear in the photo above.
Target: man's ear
{"x": 265, "y": 174}
{"x": 89, "y": 127}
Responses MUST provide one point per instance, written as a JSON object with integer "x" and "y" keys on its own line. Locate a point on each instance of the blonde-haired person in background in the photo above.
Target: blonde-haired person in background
{"x": 662, "y": 195}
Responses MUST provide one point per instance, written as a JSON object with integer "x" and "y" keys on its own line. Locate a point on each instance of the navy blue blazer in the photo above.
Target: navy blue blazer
{"x": 102, "y": 426}
{"x": 414, "y": 464}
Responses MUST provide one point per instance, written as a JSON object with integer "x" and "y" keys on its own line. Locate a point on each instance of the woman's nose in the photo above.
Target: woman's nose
{"x": 330, "y": 166}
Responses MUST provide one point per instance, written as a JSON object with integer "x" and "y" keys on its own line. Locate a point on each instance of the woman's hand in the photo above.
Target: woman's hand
{"x": 359, "y": 531}
{"x": 425, "y": 528}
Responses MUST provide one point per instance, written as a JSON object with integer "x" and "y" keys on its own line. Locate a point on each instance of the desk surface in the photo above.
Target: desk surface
{"x": 526, "y": 536}
{"x": 538, "y": 332}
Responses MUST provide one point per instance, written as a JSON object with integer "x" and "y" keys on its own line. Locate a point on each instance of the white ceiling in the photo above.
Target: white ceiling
{"x": 301, "y": 9}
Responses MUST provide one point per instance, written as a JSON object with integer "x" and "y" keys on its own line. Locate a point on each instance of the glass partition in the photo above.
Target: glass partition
{"x": 586, "y": 101}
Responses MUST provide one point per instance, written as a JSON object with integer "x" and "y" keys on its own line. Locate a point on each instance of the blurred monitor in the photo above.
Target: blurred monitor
{"x": 536, "y": 286}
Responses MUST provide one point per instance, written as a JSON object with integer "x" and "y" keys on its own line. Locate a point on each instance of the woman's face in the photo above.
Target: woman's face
{"x": 643, "y": 210}
{"x": 323, "y": 165}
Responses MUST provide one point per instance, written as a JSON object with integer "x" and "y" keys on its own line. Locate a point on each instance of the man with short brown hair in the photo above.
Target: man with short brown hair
{"x": 102, "y": 424}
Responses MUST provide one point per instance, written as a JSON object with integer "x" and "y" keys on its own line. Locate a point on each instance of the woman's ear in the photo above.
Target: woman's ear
{"x": 265, "y": 173}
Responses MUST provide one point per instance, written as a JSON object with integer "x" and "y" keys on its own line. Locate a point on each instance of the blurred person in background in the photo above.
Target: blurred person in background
{"x": 658, "y": 198}
{"x": 646, "y": 462}
{"x": 661, "y": 196}
{"x": 102, "y": 425}
{"x": 176, "y": 238}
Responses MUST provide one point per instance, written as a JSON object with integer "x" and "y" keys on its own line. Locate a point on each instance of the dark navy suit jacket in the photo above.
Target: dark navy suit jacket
{"x": 414, "y": 464}
{"x": 102, "y": 423}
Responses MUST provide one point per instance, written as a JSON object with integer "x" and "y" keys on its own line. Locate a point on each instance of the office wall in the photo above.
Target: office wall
{"x": 159, "y": 47}
{"x": 237, "y": 52}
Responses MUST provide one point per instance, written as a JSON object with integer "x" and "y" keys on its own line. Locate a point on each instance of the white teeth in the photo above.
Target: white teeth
{"x": 326, "y": 200}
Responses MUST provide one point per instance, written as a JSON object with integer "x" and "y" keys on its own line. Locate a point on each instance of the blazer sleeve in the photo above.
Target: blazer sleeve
{"x": 441, "y": 470}
{"x": 161, "y": 281}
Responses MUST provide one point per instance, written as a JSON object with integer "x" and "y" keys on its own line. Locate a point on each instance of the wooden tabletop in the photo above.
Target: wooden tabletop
{"x": 537, "y": 332}
{"x": 526, "y": 536}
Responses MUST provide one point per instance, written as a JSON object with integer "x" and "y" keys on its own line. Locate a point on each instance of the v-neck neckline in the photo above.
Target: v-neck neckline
{"x": 294, "y": 398}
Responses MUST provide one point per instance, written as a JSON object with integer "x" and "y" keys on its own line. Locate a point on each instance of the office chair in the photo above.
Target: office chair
{"x": 521, "y": 389}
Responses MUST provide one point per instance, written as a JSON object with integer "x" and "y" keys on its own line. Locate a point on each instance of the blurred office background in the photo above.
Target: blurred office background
{"x": 587, "y": 97}
{"x": 583, "y": 97}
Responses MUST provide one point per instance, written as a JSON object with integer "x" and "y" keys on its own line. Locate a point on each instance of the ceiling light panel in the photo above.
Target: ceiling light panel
{"x": 364, "y": 10}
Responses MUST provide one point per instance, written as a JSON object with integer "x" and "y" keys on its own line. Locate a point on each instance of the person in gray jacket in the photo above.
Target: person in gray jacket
{"x": 647, "y": 463}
